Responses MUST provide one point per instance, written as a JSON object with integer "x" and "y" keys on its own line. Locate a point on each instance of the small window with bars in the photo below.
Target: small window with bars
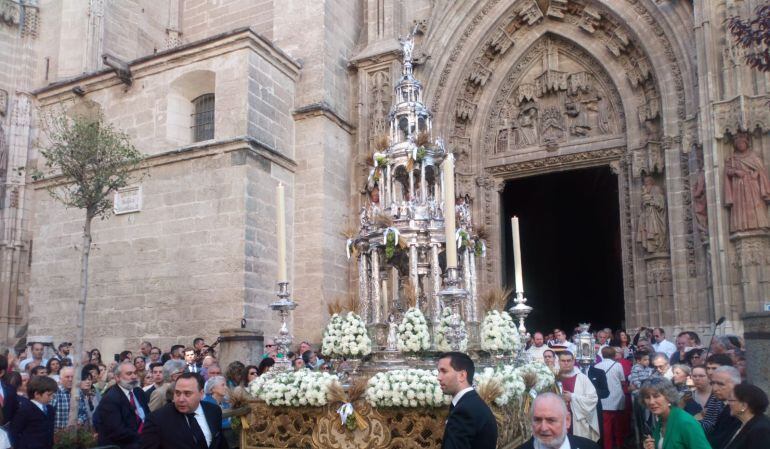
{"x": 203, "y": 118}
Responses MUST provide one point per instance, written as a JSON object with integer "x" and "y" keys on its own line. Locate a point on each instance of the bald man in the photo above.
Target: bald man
{"x": 550, "y": 421}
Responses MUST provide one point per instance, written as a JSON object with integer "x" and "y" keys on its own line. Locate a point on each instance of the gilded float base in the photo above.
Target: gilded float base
{"x": 320, "y": 427}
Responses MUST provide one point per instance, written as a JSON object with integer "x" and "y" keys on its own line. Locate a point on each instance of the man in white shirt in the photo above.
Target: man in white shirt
{"x": 614, "y": 404}
{"x": 538, "y": 347}
{"x": 36, "y": 350}
{"x": 561, "y": 340}
{"x": 661, "y": 344}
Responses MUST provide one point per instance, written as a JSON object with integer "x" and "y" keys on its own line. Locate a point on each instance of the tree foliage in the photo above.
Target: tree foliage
{"x": 94, "y": 158}
{"x": 753, "y": 34}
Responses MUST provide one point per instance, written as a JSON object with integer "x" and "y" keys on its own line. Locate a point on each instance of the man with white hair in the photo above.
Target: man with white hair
{"x": 550, "y": 421}
{"x": 723, "y": 380}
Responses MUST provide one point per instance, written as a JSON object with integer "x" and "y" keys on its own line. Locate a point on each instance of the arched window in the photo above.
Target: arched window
{"x": 203, "y": 118}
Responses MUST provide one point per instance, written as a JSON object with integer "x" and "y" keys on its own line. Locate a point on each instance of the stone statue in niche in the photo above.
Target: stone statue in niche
{"x": 463, "y": 211}
{"x": 3, "y": 153}
{"x": 652, "y": 221}
{"x": 525, "y": 126}
{"x": 699, "y": 206}
{"x": 747, "y": 188}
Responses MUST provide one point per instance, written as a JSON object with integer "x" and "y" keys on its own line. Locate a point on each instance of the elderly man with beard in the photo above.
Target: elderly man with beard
{"x": 550, "y": 421}
{"x": 120, "y": 416}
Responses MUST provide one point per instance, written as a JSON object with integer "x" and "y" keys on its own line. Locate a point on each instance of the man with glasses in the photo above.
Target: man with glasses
{"x": 723, "y": 380}
{"x": 662, "y": 368}
{"x": 271, "y": 350}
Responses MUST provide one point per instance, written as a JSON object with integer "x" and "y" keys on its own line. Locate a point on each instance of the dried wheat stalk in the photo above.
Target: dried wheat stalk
{"x": 490, "y": 390}
{"x": 423, "y": 139}
{"x": 410, "y": 294}
{"x": 496, "y": 299}
{"x": 381, "y": 142}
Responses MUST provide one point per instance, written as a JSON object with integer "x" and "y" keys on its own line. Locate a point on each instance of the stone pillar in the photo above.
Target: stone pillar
{"x": 756, "y": 332}
{"x": 659, "y": 290}
{"x": 752, "y": 260}
{"x": 244, "y": 345}
{"x": 377, "y": 317}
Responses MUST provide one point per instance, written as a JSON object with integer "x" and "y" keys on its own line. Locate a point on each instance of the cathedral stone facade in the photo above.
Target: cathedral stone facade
{"x": 228, "y": 98}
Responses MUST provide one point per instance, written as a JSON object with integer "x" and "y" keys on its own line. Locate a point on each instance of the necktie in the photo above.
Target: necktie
{"x": 451, "y": 407}
{"x": 139, "y": 421}
{"x": 197, "y": 432}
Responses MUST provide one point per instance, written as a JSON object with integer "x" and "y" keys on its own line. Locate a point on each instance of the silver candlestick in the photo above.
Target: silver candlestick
{"x": 283, "y": 340}
{"x": 452, "y": 295}
{"x": 520, "y": 311}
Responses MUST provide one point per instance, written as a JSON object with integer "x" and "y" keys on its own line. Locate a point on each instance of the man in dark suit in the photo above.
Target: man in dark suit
{"x": 119, "y": 417}
{"x": 550, "y": 421}
{"x": 32, "y": 426}
{"x": 9, "y": 400}
{"x": 188, "y": 422}
{"x": 470, "y": 423}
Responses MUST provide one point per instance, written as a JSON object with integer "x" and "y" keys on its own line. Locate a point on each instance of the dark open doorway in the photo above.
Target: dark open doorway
{"x": 571, "y": 253}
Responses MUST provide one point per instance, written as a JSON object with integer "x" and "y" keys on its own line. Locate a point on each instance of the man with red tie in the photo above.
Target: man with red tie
{"x": 120, "y": 416}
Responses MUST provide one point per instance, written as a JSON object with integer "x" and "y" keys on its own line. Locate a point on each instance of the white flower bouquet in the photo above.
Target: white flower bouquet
{"x": 406, "y": 388}
{"x": 346, "y": 336}
{"x": 499, "y": 333}
{"x": 303, "y": 388}
{"x": 413, "y": 335}
{"x": 513, "y": 386}
{"x": 442, "y": 342}
{"x": 538, "y": 375}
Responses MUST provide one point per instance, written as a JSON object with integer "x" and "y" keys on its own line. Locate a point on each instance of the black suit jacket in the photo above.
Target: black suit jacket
{"x": 574, "y": 442}
{"x": 115, "y": 420}
{"x": 10, "y": 403}
{"x": 31, "y": 428}
{"x": 470, "y": 424}
{"x": 754, "y": 435}
{"x": 724, "y": 429}
{"x": 166, "y": 428}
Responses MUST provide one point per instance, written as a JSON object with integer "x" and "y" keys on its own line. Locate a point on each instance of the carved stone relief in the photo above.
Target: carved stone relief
{"x": 554, "y": 95}
{"x": 380, "y": 99}
{"x": 652, "y": 228}
{"x": 747, "y": 188}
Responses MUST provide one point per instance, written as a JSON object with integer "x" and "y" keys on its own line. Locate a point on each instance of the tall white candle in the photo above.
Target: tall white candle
{"x": 517, "y": 254}
{"x": 449, "y": 211}
{"x": 280, "y": 227}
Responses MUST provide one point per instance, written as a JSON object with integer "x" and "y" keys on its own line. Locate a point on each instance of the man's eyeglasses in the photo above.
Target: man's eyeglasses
{"x": 269, "y": 346}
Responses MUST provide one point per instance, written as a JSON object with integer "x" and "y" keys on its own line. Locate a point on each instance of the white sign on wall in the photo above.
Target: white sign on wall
{"x": 128, "y": 200}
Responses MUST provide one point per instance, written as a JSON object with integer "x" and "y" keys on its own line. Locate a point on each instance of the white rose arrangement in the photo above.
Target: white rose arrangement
{"x": 442, "y": 342}
{"x": 499, "y": 333}
{"x": 303, "y": 388}
{"x": 413, "y": 335}
{"x": 406, "y": 388}
{"x": 508, "y": 377}
{"x": 346, "y": 336}
{"x": 541, "y": 373}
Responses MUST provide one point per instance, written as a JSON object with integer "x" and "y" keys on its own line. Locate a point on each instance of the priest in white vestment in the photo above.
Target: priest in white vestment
{"x": 581, "y": 398}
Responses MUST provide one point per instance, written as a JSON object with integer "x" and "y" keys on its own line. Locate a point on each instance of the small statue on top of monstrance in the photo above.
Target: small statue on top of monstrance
{"x": 747, "y": 188}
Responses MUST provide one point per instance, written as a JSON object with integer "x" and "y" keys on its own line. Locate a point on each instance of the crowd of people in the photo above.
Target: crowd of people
{"x": 650, "y": 392}
{"x": 117, "y": 399}
{"x": 641, "y": 392}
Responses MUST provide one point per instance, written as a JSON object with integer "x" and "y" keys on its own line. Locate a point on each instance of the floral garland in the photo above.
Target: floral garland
{"x": 544, "y": 379}
{"x": 499, "y": 333}
{"x": 303, "y": 388}
{"x": 405, "y": 388}
{"x": 413, "y": 335}
{"x": 346, "y": 336}
{"x": 442, "y": 342}
{"x": 508, "y": 377}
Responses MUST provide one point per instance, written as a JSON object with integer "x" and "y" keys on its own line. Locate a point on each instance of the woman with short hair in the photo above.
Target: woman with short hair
{"x": 673, "y": 428}
{"x": 749, "y": 404}
{"x": 216, "y": 392}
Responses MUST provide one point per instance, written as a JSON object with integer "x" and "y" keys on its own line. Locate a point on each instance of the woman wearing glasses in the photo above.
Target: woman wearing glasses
{"x": 673, "y": 428}
{"x": 749, "y": 404}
